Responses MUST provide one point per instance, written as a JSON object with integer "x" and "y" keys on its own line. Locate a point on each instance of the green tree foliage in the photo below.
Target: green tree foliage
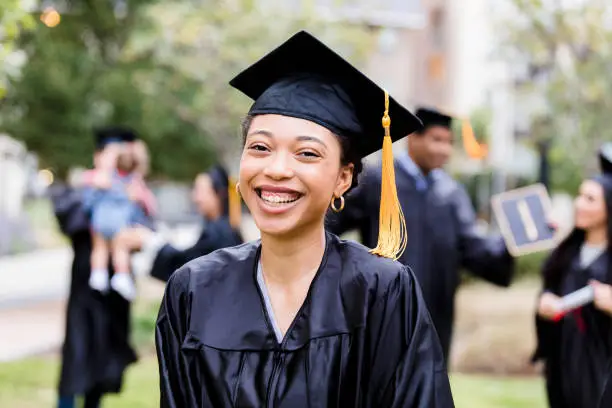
{"x": 14, "y": 17}
{"x": 209, "y": 45}
{"x": 566, "y": 48}
{"x": 160, "y": 67}
{"x": 80, "y": 75}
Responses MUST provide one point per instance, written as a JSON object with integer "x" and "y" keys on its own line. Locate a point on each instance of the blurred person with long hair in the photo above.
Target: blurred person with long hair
{"x": 96, "y": 349}
{"x": 217, "y": 200}
{"x": 577, "y": 350}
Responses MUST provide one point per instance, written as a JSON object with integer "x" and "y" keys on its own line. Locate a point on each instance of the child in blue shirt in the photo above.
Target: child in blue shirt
{"x": 117, "y": 198}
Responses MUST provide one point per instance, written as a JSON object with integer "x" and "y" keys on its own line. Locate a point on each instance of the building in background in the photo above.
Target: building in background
{"x": 443, "y": 54}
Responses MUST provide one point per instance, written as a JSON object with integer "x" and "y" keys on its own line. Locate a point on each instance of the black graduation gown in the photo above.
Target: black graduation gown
{"x": 96, "y": 348}
{"x": 217, "y": 234}
{"x": 577, "y": 350}
{"x": 441, "y": 238}
{"x": 362, "y": 338}
{"x": 606, "y": 398}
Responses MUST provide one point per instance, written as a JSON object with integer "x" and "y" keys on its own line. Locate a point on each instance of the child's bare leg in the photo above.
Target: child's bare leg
{"x": 122, "y": 281}
{"x": 98, "y": 279}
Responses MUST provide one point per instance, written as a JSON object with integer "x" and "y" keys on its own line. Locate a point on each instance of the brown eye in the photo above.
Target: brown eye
{"x": 309, "y": 154}
{"x": 258, "y": 147}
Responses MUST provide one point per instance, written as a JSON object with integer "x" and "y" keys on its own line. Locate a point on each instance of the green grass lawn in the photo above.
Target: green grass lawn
{"x": 479, "y": 391}
{"x": 31, "y": 384}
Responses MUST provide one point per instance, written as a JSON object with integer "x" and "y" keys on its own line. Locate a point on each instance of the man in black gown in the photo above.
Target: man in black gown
{"x": 440, "y": 220}
{"x": 96, "y": 348}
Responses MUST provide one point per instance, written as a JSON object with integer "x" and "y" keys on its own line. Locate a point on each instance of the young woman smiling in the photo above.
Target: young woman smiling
{"x": 302, "y": 318}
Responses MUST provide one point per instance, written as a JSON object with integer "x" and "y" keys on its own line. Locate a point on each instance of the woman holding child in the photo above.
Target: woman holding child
{"x": 96, "y": 348}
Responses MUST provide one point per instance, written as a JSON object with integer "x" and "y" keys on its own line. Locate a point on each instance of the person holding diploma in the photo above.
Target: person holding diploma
{"x": 302, "y": 318}
{"x": 441, "y": 222}
{"x": 577, "y": 347}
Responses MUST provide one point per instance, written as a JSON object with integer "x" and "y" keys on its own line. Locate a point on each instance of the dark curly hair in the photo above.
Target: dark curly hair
{"x": 349, "y": 152}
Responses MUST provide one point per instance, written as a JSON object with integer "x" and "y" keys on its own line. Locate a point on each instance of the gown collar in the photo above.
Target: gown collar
{"x": 228, "y": 313}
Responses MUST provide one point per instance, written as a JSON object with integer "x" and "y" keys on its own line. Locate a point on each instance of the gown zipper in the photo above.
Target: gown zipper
{"x": 277, "y": 363}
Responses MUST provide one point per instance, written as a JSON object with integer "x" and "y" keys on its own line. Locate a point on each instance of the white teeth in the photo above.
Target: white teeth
{"x": 278, "y": 198}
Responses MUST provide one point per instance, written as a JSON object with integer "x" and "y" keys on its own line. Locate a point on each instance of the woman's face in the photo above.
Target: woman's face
{"x": 590, "y": 206}
{"x": 204, "y": 196}
{"x": 289, "y": 171}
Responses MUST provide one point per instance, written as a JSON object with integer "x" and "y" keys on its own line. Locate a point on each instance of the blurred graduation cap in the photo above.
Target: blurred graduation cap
{"x": 522, "y": 215}
{"x": 605, "y": 158}
{"x": 113, "y": 134}
{"x": 434, "y": 117}
{"x": 305, "y": 79}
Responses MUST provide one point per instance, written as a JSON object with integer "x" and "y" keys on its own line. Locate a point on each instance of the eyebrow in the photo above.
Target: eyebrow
{"x": 301, "y": 138}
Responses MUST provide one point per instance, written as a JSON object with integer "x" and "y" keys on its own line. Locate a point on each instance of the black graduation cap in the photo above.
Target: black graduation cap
{"x": 110, "y": 134}
{"x": 304, "y": 78}
{"x": 522, "y": 215}
{"x": 605, "y": 158}
{"x": 433, "y": 117}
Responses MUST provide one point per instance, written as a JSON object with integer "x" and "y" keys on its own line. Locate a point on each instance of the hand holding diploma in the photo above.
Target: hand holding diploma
{"x": 549, "y": 306}
{"x": 602, "y": 294}
{"x": 553, "y": 307}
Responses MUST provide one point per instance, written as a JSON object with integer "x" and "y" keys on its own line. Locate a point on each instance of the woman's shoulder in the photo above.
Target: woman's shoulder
{"x": 216, "y": 266}
{"x": 359, "y": 264}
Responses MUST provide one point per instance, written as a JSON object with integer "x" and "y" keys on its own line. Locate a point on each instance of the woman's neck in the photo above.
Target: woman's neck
{"x": 288, "y": 260}
{"x": 596, "y": 237}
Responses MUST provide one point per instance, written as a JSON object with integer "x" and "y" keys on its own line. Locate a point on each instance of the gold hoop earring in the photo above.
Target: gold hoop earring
{"x": 333, "y": 204}
{"x": 238, "y": 189}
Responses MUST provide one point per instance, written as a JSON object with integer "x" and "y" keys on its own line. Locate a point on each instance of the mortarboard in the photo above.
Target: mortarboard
{"x": 522, "y": 215}
{"x": 110, "y": 134}
{"x": 605, "y": 158}
{"x": 304, "y": 78}
{"x": 433, "y": 117}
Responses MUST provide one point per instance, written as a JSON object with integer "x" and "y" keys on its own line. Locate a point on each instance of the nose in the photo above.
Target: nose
{"x": 279, "y": 166}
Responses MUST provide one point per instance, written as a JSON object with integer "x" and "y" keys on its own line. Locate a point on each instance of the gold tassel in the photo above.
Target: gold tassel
{"x": 235, "y": 209}
{"x": 473, "y": 149}
{"x": 392, "y": 234}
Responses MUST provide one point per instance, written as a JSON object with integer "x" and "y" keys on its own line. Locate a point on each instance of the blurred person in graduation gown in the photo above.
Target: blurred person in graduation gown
{"x": 302, "y": 318}
{"x": 442, "y": 235}
{"x": 218, "y": 202}
{"x": 577, "y": 350}
{"x": 96, "y": 348}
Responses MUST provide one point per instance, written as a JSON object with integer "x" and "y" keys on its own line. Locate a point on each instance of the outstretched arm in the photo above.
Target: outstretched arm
{"x": 486, "y": 257}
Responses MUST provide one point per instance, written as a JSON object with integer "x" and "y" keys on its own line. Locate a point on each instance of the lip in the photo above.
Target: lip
{"x": 275, "y": 209}
{"x": 277, "y": 189}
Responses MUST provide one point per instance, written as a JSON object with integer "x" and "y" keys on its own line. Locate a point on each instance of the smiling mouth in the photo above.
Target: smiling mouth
{"x": 278, "y": 198}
